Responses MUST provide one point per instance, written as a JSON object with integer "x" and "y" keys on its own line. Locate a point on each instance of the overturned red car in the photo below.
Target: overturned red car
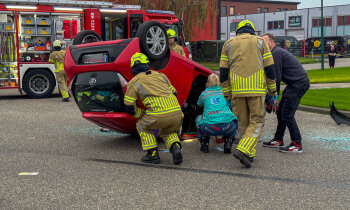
{"x": 99, "y": 73}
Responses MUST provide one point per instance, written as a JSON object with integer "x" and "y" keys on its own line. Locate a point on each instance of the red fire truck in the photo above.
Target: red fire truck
{"x": 28, "y": 27}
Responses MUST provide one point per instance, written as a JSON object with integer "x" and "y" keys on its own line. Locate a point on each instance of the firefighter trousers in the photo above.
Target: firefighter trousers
{"x": 167, "y": 125}
{"x": 250, "y": 112}
{"x": 62, "y": 83}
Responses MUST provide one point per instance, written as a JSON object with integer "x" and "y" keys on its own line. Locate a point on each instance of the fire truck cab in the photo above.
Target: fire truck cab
{"x": 28, "y": 29}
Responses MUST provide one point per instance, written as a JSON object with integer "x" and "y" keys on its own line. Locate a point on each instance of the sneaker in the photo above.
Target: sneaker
{"x": 176, "y": 151}
{"x": 243, "y": 159}
{"x": 273, "y": 143}
{"x": 152, "y": 156}
{"x": 292, "y": 148}
{"x": 65, "y": 99}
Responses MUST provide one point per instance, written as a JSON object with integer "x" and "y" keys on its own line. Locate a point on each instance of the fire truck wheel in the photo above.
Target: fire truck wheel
{"x": 88, "y": 36}
{"x": 153, "y": 40}
{"x": 39, "y": 83}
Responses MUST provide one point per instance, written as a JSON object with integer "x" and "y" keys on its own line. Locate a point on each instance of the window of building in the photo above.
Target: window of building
{"x": 316, "y": 27}
{"x": 285, "y": 9}
{"x": 266, "y": 9}
{"x": 223, "y": 10}
{"x": 275, "y": 25}
{"x": 343, "y": 27}
{"x": 294, "y": 21}
{"x": 278, "y": 9}
{"x": 258, "y": 10}
{"x": 316, "y": 22}
{"x": 343, "y": 20}
{"x": 232, "y": 10}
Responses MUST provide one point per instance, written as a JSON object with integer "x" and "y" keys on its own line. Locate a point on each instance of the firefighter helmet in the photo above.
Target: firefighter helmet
{"x": 57, "y": 43}
{"x": 244, "y": 23}
{"x": 138, "y": 58}
{"x": 171, "y": 33}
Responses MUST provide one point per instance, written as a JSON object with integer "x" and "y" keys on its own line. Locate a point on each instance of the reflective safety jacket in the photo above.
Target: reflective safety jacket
{"x": 155, "y": 92}
{"x": 178, "y": 49}
{"x": 216, "y": 109}
{"x": 57, "y": 58}
{"x": 246, "y": 56}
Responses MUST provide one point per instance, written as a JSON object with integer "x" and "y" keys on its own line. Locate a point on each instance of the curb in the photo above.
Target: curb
{"x": 319, "y": 110}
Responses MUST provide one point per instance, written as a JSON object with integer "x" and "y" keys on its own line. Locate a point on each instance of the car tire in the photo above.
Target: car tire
{"x": 39, "y": 83}
{"x": 87, "y": 36}
{"x": 153, "y": 40}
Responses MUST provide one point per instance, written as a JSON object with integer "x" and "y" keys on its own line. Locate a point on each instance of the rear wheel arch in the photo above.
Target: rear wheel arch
{"x": 191, "y": 110}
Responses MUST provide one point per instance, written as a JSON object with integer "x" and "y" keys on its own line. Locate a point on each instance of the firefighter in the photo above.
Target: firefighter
{"x": 172, "y": 44}
{"x": 246, "y": 64}
{"x": 163, "y": 111}
{"x": 57, "y": 58}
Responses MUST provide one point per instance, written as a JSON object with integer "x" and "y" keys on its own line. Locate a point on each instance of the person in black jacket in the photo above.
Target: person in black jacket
{"x": 291, "y": 72}
{"x": 332, "y": 54}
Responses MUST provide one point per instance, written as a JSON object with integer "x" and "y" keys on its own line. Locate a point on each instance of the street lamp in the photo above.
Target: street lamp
{"x": 322, "y": 37}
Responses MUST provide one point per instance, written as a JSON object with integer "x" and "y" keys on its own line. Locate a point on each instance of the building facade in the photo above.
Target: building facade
{"x": 302, "y": 23}
{"x": 244, "y": 7}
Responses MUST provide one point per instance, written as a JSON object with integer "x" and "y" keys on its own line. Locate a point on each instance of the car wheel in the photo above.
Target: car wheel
{"x": 39, "y": 83}
{"x": 88, "y": 36}
{"x": 153, "y": 40}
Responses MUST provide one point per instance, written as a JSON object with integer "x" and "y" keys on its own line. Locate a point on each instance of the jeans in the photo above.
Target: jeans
{"x": 292, "y": 95}
{"x": 222, "y": 129}
{"x": 331, "y": 61}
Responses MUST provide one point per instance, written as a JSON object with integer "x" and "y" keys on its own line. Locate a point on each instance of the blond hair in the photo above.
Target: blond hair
{"x": 213, "y": 80}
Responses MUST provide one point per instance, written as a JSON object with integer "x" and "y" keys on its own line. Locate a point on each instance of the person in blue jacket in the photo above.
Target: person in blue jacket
{"x": 217, "y": 118}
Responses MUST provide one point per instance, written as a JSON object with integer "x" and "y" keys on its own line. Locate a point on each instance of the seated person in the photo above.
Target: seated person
{"x": 217, "y": 118}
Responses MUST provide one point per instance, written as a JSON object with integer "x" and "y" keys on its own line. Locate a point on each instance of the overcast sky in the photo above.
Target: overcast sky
{"x": 317, "y": 3}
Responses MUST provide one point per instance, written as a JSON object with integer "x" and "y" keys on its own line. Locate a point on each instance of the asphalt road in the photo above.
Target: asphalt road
{"x": 81, "y": 168}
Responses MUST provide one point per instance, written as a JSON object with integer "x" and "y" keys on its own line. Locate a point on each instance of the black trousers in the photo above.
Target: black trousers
{"x": 289, "y": 103}
{"x": 331, "y": 61}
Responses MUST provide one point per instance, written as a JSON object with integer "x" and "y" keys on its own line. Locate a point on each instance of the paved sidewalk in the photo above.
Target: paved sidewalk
{"x": 339, "y": 62}
{"x": 326, "y": 85}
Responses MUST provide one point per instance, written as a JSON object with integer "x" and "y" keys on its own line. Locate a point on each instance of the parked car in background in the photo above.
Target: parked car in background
{"x": 100, "y": 71}
{"x": 291, "y": 44}
{"x": 314, "y": 45}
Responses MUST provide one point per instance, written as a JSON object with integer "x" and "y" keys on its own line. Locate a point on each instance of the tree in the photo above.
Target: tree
{"x": 193, "y": 12}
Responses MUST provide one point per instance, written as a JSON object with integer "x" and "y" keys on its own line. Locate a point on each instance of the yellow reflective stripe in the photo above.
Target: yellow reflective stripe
{"x": 138, "y": 114}
{"x": 171, "y": 87}
{"x": 267, "y": 57}
{"x": 271, "y": 86}
{"x": 125, "y": 99}
{"x": 266, "y": 54}
{"x": 164, "y": 111}
{"x": 224, "y": 57}
{"x": 131, "y": 99}
{"x": 51, "y": 61}
{"x": 249, "y": 91}
{"x": 226, "y": 89}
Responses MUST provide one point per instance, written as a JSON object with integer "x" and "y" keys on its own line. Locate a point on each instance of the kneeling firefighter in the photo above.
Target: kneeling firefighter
{"x": 163, "y": 110}
{"x": 57, "y": 58}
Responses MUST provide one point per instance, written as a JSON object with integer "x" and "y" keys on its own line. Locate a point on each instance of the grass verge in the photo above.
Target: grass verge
{"x": 323, "y": 97}
{"x": 330, "y": 75}
{"x": 303, "y": 60}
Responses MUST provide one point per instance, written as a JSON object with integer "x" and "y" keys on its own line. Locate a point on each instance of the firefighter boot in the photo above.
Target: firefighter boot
{"x": 175, "y": 149}
{"x": 228, "y": 144}
{"x": 204, "y": 144}
{"x": 152, "y": 156}
{"x": 243, "y": 159}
